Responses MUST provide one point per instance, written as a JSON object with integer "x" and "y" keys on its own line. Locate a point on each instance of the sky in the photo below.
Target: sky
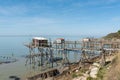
{"x": 59, "y": 17}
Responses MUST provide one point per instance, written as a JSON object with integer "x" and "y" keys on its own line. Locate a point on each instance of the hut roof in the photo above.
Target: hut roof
{"x": 40, "y": 38}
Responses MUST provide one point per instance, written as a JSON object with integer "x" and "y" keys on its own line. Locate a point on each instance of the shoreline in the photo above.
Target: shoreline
{"x": 93, "y": 71}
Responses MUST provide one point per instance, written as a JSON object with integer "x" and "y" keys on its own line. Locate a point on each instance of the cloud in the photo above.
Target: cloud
{"x": 25, "y": 9}
{"x": 26, "y": 21}
{"x": 27, "y": 25}
{"x": 12, "y": 10}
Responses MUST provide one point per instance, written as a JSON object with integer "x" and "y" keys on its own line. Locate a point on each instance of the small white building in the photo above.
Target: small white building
{"x": 86, "y": 40}
{"x": 60, "y": 40}
{"x": 40, "y": 42}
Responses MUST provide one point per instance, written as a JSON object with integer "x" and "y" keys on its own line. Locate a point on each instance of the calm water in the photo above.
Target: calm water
{"x": 14, "y": 45}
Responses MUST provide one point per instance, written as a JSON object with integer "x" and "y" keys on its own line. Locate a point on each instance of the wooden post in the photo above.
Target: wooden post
{"x": 103, "y": 60}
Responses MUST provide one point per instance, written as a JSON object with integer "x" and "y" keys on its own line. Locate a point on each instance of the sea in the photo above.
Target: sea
{"x": 12, "y": 46}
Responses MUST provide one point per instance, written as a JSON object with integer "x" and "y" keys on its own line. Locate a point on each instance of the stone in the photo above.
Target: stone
{"x": 94, "y": 72}
{"x": 96, "y": 64}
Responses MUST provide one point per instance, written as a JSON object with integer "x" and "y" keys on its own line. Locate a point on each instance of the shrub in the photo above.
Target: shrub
{"x": 90, "y": 78}
{"x": 74, "y": 75}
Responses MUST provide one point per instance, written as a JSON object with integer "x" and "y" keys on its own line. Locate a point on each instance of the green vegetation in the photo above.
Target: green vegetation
{"x": 90, "y": 78}
{"x": 74, "y": 75}
{"x": 115, "y": 35}
{"x": 79, "y": 73}
{"x": 119, "y": 31}
{"x": 83, "y": 70}
{"x": 101, "y": 73}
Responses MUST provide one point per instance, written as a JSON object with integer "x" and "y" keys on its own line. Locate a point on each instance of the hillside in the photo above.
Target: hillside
{"x": 114, "y": 73}
{"x": 115, "y": 35}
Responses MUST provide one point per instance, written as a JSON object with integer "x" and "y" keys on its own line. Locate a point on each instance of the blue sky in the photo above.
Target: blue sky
{"x": 59, "y": 17}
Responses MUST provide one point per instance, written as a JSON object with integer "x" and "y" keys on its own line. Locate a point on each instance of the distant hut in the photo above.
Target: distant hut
{"x": 60, "y": 40}
{"x": 40, "y": 42}
{"x": 86, "y": 40}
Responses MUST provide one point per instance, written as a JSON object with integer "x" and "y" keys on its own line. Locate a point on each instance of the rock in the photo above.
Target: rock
{"x": 108, "y": 67}
{"x": 76, "y": 71}
{"x": 87, "y": 72}
{"x": 80, "y": 78}
{"x": 94, "y": 72}
{"x": 96, "y": 64}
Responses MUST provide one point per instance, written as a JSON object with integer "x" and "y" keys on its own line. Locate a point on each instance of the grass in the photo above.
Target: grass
{"x": 113, "y": 73}
{"x": 90, "y": 78}
{"x": 74, "y": 75}
{"x": 79, "y": 73}
{"x": 101, "y": 73}
{"x": 83, "y": 70}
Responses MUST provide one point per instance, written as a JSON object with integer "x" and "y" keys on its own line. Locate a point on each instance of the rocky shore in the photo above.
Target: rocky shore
{"x": 94, "y": 70}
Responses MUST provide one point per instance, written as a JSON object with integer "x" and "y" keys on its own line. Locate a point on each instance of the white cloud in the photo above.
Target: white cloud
{"x": 12, "y": 10}
{"x": 27, "y": 25}
{"x": 26, "y": 21}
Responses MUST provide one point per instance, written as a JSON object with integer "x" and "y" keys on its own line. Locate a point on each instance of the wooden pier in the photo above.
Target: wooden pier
{"x": 50, "y": 54}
